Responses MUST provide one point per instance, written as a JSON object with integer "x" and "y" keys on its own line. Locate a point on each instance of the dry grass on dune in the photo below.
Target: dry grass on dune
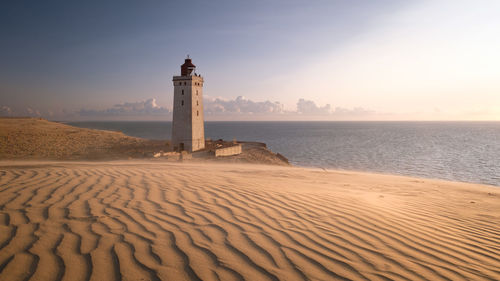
{"x": 150, "y": 221}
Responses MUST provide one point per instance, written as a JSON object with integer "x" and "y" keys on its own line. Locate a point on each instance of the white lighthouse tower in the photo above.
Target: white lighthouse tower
{"x": 188, "y": 132}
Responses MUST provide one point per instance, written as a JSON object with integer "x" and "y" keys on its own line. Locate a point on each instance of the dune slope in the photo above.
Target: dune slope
{"x": 171, "y": 221}
{"x": 32, "y": 138}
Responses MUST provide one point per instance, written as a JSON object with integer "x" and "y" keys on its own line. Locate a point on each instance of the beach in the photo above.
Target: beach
{"x": 153, "y": 220}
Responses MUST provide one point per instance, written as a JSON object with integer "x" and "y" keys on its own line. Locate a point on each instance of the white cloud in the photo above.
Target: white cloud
{"x": 240, "y": 105}
{"x": 5, "y": 111}
{"x": 310, "y": 107}
{"x": 32, "y": 112}
{"x": 240, "y": 108}
{"x": 141, "y": 108}
{"x": 355, "y": 112}
{"x": 306, "y": 109}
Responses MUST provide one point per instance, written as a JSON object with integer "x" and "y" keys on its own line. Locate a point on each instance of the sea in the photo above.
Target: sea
{"x": 457, "y": 151}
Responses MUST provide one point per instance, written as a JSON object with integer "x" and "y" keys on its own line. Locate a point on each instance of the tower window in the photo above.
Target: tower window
{"x": 182, "y": 102}
{"x": 197, "y": 103}
{"x": 184, "y": 83}
{"x": 183, "y": 92}
{"x": 196, "y": 92}
{"x": 197, "y": 113}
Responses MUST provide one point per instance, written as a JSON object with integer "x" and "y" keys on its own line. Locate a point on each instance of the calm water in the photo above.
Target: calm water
{"x": 460, "y": 151}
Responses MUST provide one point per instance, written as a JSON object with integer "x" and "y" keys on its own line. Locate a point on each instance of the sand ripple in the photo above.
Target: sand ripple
{"x": 143, "y": 221}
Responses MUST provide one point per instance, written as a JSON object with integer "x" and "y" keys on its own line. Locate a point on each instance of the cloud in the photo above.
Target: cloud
{"x": 32, "y": 112}
{"x": 309, "y": 107}
{"x": 5, "y": 111}
{"x": 240, "y": 105}
{"x": 141, "y": 108}
{"x": 355, "y": 112}
{"x": 240, "y": 108}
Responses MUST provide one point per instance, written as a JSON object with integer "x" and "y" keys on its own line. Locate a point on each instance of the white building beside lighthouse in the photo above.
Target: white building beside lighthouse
{"x": 188, "y": 132}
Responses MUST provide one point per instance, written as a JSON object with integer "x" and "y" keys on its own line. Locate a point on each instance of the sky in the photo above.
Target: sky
{"x": 261, "y": 60}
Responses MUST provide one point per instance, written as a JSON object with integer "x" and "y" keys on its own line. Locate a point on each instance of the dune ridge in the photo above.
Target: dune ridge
{"x": 173, "y": 221}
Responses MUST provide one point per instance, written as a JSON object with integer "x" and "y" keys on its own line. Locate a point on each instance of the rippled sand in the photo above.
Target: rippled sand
{"x": 151, "y": 221}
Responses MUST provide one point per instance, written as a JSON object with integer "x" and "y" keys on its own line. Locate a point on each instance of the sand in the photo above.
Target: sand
{"x": 178, "y": 221}
{"x": 36, "y": 138}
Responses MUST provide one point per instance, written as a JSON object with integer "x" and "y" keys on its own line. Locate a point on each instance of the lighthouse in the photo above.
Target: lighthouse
{"x": 188, "y": 131}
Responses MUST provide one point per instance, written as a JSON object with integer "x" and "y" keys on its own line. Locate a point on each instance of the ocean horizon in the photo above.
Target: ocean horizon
{"x": 465, "y": 151}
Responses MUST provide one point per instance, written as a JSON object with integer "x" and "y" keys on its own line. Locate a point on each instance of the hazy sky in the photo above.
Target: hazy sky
{"x": 331, "y": 60}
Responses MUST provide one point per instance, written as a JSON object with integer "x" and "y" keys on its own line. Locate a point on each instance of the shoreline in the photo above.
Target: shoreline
{"x": 442, "y": 152}
{"x": 390, "y": 174}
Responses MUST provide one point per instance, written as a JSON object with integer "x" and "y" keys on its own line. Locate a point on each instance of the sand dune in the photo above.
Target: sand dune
{"x": 153, "y": 221}
{"x": 34, "y": 138}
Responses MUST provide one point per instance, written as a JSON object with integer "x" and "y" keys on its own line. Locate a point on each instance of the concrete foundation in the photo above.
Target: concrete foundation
{"x": 228, "y": 151}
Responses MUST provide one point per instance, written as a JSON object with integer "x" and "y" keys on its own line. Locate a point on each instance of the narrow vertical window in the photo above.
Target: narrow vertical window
{"x": 183, "y": 92}
{"x": 197, "y": 103}
{"x": 182, "y": 102}
{"x": 196, "y": 92}
{"x": 197, "y": 113}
